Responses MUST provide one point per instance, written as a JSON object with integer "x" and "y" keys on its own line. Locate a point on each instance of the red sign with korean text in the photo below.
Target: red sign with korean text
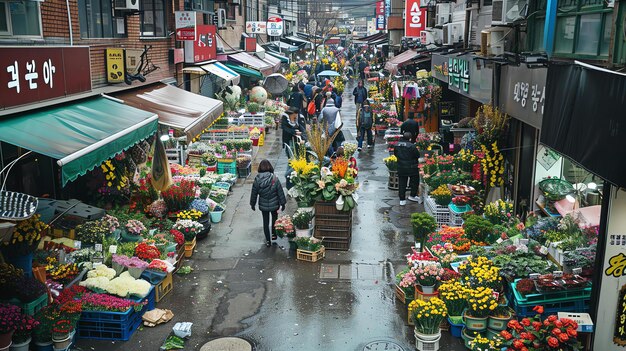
{"x": 415, "y": 19}
{"x": 205, "y": 45}
{"x": 32, "y": 74}
{"x": 380, "y": 8}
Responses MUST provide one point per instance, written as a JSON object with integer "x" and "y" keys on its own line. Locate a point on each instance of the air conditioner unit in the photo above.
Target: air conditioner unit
{"x": 453, "y": 33}
{"x": 127, "y": 5}
{"x": 492, "y": 41}
{"x": 431, "y": 36}
{"x": 507, "y": 11}
{"x": 219, "y": 19}
{"x": 443, "y": 13}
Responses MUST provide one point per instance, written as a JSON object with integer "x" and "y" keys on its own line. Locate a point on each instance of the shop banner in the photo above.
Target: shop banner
{"x": 115, "y": 65}
{"x": 523, "y": 93}
{"x": 439, "y": 67}
{"x": 185, "y": 25}
{"x": 256, "y": 27}
{"x": 275, "y": 26}
{"x": 32, "y": 73}
{"x": 415, "y": 19}
{"x": 464, "y": 75}
{"x": 583, "y": 118}
{"x": 381, "y": 20}
{"x": 204, "y": 47}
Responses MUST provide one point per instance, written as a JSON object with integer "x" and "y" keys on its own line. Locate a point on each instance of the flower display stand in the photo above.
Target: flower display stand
{"x": 189, "y": 247}
{"x": 440, "y": 213}
{"x": 163, "y": 288}
{"x": 456, "y": 212}
{"x": 332, "y": 226}
{"x": 402, "y": 295}
{"x": 310, "y": 256}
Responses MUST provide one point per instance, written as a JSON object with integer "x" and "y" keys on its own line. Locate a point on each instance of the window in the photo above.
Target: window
{"x": 153, "y": 18}
{"x": 96, "y": 20}
{"x": 583, "y": 29}
{"x": 20, "y": 18}
{"x": 230, "y": 10}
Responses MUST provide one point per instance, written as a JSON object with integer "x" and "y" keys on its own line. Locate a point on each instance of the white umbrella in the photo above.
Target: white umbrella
{"x": 276, "y": 83}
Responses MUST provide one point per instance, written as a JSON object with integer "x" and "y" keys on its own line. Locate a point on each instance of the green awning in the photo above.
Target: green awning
{"x": 282, "y": 58}
{"x": 81, "y": 135}
{"x": 244, "y": 71}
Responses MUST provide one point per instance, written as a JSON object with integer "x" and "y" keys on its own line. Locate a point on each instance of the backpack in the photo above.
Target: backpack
{"x": 366, "y": 120}
{"x": 310, "y": 109}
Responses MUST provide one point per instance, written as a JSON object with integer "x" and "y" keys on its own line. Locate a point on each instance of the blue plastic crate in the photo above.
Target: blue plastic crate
{"x": 113, "y": 325}
{"x": 153, "y": 277}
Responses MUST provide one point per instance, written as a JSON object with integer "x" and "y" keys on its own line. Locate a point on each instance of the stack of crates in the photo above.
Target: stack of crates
{"x": 332, "y": 226}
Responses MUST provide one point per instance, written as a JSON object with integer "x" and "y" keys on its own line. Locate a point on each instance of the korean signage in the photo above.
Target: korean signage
{"x": 619, "y": 333}
{"x": 439, "y": 67}
{"x": 380, "y": 16}
{"x": 256, "y": 27}
{"x": 115, "y": 65}
{"x": 415, "y": 19}
{"x": 274, "y": 26}
{"x": 250, "y": 44}
{"x": 523, "y": 93}
{"x": 459, "y": 74}
{"x": 204, "y": 47}
{"x": 185, "y": 25}
{"x": 31, "y": 74}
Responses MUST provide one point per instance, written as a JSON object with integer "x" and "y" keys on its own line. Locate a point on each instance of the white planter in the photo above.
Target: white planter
{"x": 303, "y": 233}
{"x": 426, "y": 342}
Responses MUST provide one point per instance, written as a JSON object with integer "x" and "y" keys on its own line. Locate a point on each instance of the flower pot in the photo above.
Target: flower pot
{"x": 425, "y": 342}
{"x": 6, "y": 347}
{"x": 474, "y": 323}
{"x": 23, "y": 346}
{"x": 62, "y": 342}
{"x": 428, "y": 289}
{"x": 5, "y": 339}
{"x": 135, "y": 272}
{"x": 303, "y": 233}
{"x": 42, "y": 346}
{"x": 292, "y": 245}
{"x": 456, "y": 328}
{"x": 216, "y": 216}
{"x": 467, "y": 336}
{"x": 498, "y": 323}
{"x": 189, "y": 247}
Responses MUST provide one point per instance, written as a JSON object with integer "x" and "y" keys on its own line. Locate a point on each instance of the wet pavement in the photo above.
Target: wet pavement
{"x": 264, "y": 295}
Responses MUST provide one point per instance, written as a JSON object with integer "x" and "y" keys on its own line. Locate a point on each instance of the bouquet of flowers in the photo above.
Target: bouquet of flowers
{"x": 415, "y": 258}
{"x": 408, "y": 279}
{"x": 200, "y": 206}
{"x": 147, "y": 252}
{"x": 135, "y": 227}
{"x": 110, "y": 222}
{"x": 481, "y": 343}
{"x": 480, "y": 272}
{"x": 192, "y": 214}
{"x": 92, "y": 232}
{"x": 179, "y": 238}
{"x": 454, "y": 295}
{"x": 499, "y": 212}
{"x": 178, "y": 197}
{"x": 11, "y": 317}
{"x": 302, "y": 218}
{"x": 480, "y": 302}
{"x": 442, "y": 195}
{"x": 445, "y": 253}
{"x": 427, "y": 316}
{"x": 391, "y": 162}
{"x": 26, "y": 236}
{"x": 493, "y": 165}
{"x": 189, "y": 228}
{"x": 428, "y": 274}
{"x": 465, "y": 160}
{"x": 284, "y": 227}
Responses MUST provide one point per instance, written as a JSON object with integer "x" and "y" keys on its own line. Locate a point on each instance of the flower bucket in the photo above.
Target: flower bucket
{"x": 467, "y": 336}
{"x": 6, "y": 347}
{"x": 24, "y": 262}
{"x": 24, "y": 346}
{"x": 498, "y": 323}
{"x": 426, "y": 342}
{"x": 117, "y": 267}
{"x": 491, "y": 334}
{"x": 475, "y": 324}
{"x": 456, "y": 325}
{"x": 428, "y": 289}
{"x": 135, "y": 272}
{"x": 42, "y": 346}
{"x": 62, "y": 343}
{"x": 5, "y": 340}
{"x": 216, "y": 216}
{"x": 303, "y": 233}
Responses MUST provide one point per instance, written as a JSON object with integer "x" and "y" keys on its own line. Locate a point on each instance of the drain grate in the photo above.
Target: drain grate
{"x": 383, "y": 345}
{"x": 227, "y": 344}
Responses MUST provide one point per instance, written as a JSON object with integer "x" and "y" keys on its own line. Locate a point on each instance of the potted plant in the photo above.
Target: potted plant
{"x": 189, "y": 229}
{"x": 480, "y": 304}
{"x": 442, "y": 195}
{"x": 454, "y": 295}
{"x": 427, "y": 317}
{"x": 253, "y": 107}
{"x": 92, "y": 232}
{"x": 302, "y": 221}
{"x": 209, "y": 159}
{"x": 135, "y": 229}
{"x": 499, "y": 318}
{"x": 478, "y": 229}
{"x": 284, "y": 228}
{"x": 481, "y": 343}
{"x": 428, "y": 275}
{"x": 461, "y": 202}
{"x": 23, "y": 333}
{"x": 423, "y": 224}
{"x": 62, "y": 332}
{"x": 268, "y": 120}
{"x": 179, "y": 196}
{"x": 11, "y": 318}
{"x": 525, "y": 286}
{"x": 42, "y": 333}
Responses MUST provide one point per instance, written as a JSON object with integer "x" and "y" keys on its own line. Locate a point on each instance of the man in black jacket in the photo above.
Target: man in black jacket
{"x": 408, "y": 161}
{"x": 411, "y": 126}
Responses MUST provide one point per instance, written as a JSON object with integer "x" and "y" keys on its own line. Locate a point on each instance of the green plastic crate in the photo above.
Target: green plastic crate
{"x": 32, "y": 307}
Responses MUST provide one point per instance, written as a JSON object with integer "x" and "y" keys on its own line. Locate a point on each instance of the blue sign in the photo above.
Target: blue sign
{"x": 381, "y": 22}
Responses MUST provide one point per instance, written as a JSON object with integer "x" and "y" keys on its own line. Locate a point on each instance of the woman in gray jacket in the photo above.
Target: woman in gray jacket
{"x": 269, "y": 191}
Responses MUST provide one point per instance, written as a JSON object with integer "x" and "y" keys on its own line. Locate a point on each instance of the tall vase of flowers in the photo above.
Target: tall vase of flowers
{"x": 427, "y": 317}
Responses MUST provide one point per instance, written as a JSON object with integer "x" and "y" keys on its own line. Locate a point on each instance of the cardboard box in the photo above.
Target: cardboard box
{"x": 585, "y": 324}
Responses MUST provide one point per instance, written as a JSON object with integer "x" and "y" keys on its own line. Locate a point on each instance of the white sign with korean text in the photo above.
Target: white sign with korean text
{"x": 523, "y": 93}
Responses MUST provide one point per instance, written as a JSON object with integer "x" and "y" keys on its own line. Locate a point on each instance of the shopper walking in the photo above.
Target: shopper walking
{"x": 360, "y": 95}
{"x": 292, "y": 127}
{"x": 408, "y": 170}
{"x": 411, "y": 126}
{"x": 331, "y": 118}
{"x": 365, "y": 121}
{"x": 269, "y": 193}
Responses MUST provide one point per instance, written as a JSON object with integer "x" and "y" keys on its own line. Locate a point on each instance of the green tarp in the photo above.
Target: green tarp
{"x": 244, "y": 71}
{"x": 81, "y": 135}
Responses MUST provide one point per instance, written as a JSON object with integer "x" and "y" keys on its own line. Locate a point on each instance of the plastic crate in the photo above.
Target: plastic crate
{"x": 244, "y": 172}
{"x": 112, "y": 325}
{"x": 456, "y": 213}
{"x": 153, "y": 277}
{"x": 547, "y": 297}
{"x": 230, "y": 167}
{"x": 32, "y": 307}
{"x": 310, "y": 256}
{"x": 163, "y": 288}
{"x": 440, "y": 213}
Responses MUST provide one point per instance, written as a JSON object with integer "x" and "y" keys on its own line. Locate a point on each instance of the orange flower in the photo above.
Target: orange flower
{"x": 340, "y": 167}
{"x": 538, "y": 309}
{"x": 552, "y": 318}
{"x": 506, "y": 335}
{"x": 563, "y": 337}
{"x": 556, "y": 331}
{"x": 572, "y": 332}
{"x": 553, "y": 342}
{"x": 526, "y": 322}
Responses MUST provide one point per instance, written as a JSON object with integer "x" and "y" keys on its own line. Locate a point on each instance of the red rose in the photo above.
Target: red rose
{"x": 546, "y": 322}
{"x": 553, "y": 342}
{"x": 518, "y": 344}
{"x": 552, "y": 318}
{"x": 526, "y": 322}
{"x": 563, "y": 337}
{"x": 572, "y": 332}
{"x": 537, "y": 325}
{"x": 556, "y": 331}
{"x": 538, "y": 309}
{"x": 558, "y": 323}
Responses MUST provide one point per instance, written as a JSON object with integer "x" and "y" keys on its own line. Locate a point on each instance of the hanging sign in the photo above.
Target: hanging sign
{"x": 415, "y": 19}
{"x": 256, "y": 27}
{"x": 619, "y": 334}
{"x": 459, "y": 74}
{"x": 115, "y": 65}
{"x": 523, "y": 93}
{"x": 185, "y": 25}
{"x": 204, "y": 47}
{"x": 275, "y": 26}
{"x": 381, "y": 21}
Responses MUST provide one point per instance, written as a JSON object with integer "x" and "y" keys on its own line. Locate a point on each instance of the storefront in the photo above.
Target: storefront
{"x": 209, "y": 79}
{"x": 522, "y": 97}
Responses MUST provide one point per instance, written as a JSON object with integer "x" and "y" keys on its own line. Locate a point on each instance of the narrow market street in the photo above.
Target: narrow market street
{"x": 239, "y": 287}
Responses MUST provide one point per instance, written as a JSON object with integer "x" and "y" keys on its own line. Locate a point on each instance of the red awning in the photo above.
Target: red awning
{"x": 401, "y": 59}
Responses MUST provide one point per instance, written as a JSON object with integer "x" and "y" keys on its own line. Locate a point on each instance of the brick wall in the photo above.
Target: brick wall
{"x": 56, "y": 29}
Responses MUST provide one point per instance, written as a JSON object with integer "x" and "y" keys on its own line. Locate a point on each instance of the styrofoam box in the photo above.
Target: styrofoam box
{"x": 585, "y": 324}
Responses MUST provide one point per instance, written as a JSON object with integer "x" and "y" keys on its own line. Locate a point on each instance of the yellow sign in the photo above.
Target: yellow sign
{"x": 115, "y": 65}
